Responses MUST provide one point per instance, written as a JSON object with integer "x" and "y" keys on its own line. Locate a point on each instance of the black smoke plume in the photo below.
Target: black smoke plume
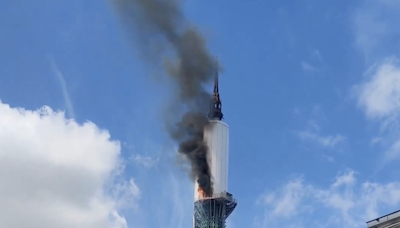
{"x": 162, "y": 30}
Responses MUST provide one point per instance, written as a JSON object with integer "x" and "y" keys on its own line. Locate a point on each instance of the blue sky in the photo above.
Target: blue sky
{"x": 310, "y": 90}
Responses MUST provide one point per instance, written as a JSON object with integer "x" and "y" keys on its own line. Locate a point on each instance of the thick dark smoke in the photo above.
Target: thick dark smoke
{"x": 163, "y": 31}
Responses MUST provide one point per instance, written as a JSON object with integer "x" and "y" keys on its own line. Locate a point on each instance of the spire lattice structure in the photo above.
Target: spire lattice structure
{"x": 212, "y": 212}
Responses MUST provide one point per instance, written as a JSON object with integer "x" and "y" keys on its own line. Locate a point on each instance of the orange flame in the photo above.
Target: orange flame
{"x": 201, "y": 193}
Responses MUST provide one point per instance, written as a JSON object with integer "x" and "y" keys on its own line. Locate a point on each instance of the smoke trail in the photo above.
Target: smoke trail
{"x": 162, "y": 29}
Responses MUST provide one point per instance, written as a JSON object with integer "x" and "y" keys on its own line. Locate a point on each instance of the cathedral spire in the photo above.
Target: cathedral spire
{"x": 216, "y": 107}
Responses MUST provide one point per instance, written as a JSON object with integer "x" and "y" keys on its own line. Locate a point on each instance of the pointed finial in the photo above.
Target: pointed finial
{"x": 216, "y": 107}
{"x": 216, "y": 89}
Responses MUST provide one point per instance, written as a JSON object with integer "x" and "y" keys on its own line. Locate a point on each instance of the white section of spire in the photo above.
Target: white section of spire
{"x": 216, "y": 135}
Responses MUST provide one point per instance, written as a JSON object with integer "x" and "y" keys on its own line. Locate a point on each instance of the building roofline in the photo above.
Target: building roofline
{"x": 383, "y": 216}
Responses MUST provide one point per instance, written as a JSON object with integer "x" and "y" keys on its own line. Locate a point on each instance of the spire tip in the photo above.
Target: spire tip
{"x": 216, "y": 108}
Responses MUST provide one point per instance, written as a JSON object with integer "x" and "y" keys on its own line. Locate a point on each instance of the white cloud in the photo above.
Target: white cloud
{"x": 393, "y": 152}
{"x": 286, "y": 202}
{"x": 126, "y": 194}
{"x": 317, "y": 54}
{"x": 369, "y": 29}
{"x": 312, "y": 134}
{"x": 146, "y": 161}
{"x": 377, "y": 34}
{"x": 375, "y": 27}
{"x": 53, "y": 172}
{"x": 325, "y": 141}
{"x": 344, "y": 203}
{"x": 317, "y": 65}
{"x": 346, "y": 179}
{"x": 308, "y": 67}
{"x": 380, "y": 95}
